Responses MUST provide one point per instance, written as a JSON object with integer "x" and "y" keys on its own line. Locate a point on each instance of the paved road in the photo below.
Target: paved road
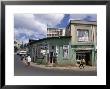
{"x": 22, "y": 70}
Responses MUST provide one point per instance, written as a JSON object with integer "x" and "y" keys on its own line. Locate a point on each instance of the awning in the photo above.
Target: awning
{"x": 83, "y": 51}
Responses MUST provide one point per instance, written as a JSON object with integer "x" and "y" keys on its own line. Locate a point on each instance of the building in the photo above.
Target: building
{"x": 80, "y": 41}
{"x": 83, "y": 40}
{"x": 55, "y": 32}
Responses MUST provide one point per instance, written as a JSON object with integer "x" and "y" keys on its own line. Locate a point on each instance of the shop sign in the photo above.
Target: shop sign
{"x": 65, "y": 46}
{"x": 84, "y": 48}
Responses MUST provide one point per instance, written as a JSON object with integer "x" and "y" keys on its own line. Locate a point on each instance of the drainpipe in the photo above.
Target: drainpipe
{"x": 93, "y": 56}
{"x": 48, "y": 55}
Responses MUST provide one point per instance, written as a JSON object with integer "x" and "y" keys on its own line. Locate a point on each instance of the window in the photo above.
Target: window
{"x": 82, "y": 35}
{"x": 65, "y": 51}
{"x": 56, "y": 34}
{"x": 52, "y": 35}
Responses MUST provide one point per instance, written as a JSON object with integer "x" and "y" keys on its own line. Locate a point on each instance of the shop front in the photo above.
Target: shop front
{"x": 53, "y": 50}
{"x": 85, "y": 52}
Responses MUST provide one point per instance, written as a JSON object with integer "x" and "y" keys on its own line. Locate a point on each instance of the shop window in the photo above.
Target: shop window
{"x": 65, "y": 51}
{"x": 82, "y": 35}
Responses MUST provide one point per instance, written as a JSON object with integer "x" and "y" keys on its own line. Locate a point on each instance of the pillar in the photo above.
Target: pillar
{"x": 74, "y": 56}
{"x": 60, "y": 54}
{"x": 93, "y": 58}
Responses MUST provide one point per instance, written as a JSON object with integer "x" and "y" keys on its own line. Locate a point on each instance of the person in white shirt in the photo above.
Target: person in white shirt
{"x": 28, "y": 60}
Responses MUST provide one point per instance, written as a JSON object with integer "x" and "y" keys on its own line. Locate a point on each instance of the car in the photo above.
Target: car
{"x": 22, "y": 52}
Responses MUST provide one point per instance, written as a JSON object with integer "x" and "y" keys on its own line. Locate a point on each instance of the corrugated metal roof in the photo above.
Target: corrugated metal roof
{"x": 33, "y": 41}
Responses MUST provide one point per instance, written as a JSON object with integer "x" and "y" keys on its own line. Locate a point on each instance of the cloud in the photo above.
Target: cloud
{"x": 49, "y": 19}
{"x": 34, "y": 25}
{"x": 22, "y": 34}
{"x": 27, "y": 21}
{"x": 87, "y": 17}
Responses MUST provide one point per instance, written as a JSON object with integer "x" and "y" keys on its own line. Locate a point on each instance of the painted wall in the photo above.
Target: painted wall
{"x": 54, "y": 42}
{"x": 92, "y": 40}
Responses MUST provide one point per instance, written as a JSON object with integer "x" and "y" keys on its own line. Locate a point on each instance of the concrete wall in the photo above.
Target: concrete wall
{"x": 92, "y": 31}
{"x": 74, "y": 28}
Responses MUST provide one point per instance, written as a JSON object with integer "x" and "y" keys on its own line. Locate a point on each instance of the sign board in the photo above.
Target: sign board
{"x": 65, "y": 46}
{"x": 84, "y": 48}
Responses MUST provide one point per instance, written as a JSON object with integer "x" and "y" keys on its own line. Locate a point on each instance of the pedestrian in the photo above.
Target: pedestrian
{"x": 82, "y": 62}
{"x": 22, "y": 57}
{"x": 28, "y": 60}
{"x": 26, "y": 57}
{"x": 54, "y": 57}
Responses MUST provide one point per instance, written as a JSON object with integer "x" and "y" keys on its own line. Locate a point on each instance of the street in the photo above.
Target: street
{"x": 20, "y": 69}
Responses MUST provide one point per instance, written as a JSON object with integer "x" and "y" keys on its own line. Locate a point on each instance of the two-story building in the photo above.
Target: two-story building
{"x": 79, "y": 42}
{"x": 83, "y": 40}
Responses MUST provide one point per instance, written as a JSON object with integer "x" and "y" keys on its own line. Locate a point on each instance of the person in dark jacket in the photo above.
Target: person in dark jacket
{"x": 82, "y": 62}
{"x": 22, "y": 57}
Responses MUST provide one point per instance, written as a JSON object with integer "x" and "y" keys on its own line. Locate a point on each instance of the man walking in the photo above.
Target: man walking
{"x": 28, "y": 60}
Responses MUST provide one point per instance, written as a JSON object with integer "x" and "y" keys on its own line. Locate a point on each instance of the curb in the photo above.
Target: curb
{"x": 63, "y": 68}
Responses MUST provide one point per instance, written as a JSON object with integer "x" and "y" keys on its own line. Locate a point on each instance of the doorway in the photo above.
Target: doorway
{"x": 83, "y": 55}
{"x": 52, "y": 54}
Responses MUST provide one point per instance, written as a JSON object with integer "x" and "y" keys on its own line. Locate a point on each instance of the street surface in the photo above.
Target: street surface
{"x": 20, "y": 69}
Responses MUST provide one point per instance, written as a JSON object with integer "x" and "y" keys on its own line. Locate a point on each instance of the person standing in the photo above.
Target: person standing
{"x": 84, "y": 62}
{"x": 28, "y": 60}
{"x": 22, "y": 57}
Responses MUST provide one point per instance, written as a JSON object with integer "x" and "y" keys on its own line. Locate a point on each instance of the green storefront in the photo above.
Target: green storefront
{"x": 78, "y": 43}
{"x": 59, "y": 45}
{"x": 67, "y": 54}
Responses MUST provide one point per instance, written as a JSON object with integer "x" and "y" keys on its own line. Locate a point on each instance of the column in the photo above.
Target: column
{"x": 70, "y": 52}
{"x": 93, "y": 57}
{"x": 60, "y": 54}
{"x": 74, "y": 56}
{"x": 48, "y": 54}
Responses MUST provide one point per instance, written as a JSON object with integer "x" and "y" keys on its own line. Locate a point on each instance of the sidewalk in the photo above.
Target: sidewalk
{"x": 86, "y": 68}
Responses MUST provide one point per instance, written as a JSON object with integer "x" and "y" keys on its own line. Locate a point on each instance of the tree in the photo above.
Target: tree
{"x": 15, "y": 49}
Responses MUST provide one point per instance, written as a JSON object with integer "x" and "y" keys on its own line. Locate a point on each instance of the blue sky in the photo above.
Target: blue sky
{"x": 34, "y": 26}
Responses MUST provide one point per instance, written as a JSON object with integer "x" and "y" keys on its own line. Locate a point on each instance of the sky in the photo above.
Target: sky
{"x": 34, "y": 26}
